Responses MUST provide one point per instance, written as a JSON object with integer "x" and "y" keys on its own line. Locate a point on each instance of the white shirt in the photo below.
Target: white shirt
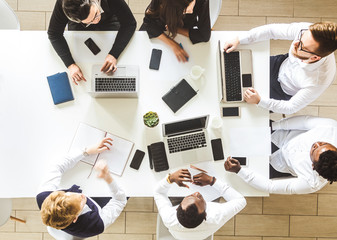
{"x": 109, "y": 213}
{"x": 217, "y": 214}
{"x": 304, "y": 82}
{"x": 295, "y": 136}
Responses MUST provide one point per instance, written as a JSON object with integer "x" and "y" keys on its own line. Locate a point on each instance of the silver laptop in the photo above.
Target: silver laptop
{"x": 187, "y": 141}
{"x": 124, "y": 83}
{"x": 235, "y": 74}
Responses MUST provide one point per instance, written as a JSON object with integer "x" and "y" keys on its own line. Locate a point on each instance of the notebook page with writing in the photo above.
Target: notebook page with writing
{"x": 86, "y": 136}
{"x": 118, "y": 154}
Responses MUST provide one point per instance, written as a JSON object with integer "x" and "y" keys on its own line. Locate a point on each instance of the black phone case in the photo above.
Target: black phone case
{"x": 242, "y": 160}
{"x": 217, "y": 149}
{"x": 92, "y": 46}
{"x": 137, "y": 159}
{"x": 155, "y": 59}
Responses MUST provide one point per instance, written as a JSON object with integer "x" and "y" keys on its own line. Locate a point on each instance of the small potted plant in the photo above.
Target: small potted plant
{"x": 151, "y": 119}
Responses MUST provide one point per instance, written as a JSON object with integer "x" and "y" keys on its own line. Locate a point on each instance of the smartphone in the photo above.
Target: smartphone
{"x": 217, "y": 149}
{"x": 230, "y": 112}
{"x": 137, "y": 159}
{"x": 92, "y": 46}
{"x": 242, "y": 160}
{"x": 155, "y": 59}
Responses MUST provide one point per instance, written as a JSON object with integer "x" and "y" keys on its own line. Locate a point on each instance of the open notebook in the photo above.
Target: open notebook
{"x": 116, "y": 157}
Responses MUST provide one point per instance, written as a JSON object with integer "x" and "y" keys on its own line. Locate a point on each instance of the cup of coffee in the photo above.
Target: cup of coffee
{"x": 196, "y": 72}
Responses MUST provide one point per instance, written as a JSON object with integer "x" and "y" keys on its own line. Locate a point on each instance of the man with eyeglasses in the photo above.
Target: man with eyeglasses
{"x": 300, "y": 76}
{"x": 91, "y": 15}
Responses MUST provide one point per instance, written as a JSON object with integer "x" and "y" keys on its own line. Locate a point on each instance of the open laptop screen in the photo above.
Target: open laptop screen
{"x": 185, "y": 126}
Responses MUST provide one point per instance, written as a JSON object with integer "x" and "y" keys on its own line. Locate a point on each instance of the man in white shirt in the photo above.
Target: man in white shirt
{"x": 306, "y": 150}
{"x": 297, "y": 78}
{"x": 194, "y": 218}
{"x": 71, "y": 211}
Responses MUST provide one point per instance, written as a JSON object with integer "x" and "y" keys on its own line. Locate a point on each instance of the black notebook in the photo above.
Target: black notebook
{"x": 179, "y": 95}
{"x": 158, "y": 156}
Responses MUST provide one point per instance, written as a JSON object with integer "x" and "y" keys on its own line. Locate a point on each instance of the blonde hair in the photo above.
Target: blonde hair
{"x": 58, "y": 210}
{"x": 325, "y": 33}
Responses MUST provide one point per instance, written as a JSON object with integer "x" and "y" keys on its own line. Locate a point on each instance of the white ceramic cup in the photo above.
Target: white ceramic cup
{"x": 196, "y": 72}
{"x": 216, "y": 122}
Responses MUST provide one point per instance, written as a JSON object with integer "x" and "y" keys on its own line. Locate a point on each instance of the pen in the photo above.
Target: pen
{"x": 183, "y": 48}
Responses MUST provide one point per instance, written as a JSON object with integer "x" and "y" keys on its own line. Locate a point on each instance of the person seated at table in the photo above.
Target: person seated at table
{"x": 300, "y": 76}
{"x": 91, "y": 15}
{"x": 194, "y": 218}
{"x": 186, "y": 17}
{"x": 70, "y": 210}
{"x": 307, "y": 150}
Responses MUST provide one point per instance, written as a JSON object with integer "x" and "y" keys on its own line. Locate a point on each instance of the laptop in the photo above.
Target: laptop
{"x": 124, "y": 83}
{"x": 235, "y": 71}
{"x": 186, "y": 141}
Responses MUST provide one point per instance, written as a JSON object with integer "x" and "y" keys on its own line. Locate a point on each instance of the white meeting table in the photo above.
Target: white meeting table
{"x": 34, "y": 132}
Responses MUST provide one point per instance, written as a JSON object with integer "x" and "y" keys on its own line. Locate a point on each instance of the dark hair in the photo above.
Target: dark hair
{"x": 77, "y": 10}
{"x": 326, "y": 166}
{"x": 190, "y": 217}
{"x": 325, "y": 33}
{"x": 170, "y": 12}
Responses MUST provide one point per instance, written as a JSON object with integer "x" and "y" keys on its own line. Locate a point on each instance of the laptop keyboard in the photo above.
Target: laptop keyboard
{"x": 232, "y": 76}
{"x": 115, "y": 84}
{"x": 186, "y": 142}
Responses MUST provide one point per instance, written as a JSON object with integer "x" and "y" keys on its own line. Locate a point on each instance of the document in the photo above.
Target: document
{"x": 116, "y": 157}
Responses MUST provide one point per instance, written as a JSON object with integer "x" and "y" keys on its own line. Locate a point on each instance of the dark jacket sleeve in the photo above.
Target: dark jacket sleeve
{"x": 203, "y": 31}
{"x": 58, "y": 22}
{"x": 153, "y": 26}
{"x": 127, "y": 26}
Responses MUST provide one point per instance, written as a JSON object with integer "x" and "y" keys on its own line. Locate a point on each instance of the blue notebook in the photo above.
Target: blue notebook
{"x": 60, "y": 88}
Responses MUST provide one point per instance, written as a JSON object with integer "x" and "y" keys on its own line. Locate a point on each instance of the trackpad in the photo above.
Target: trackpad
{"x": 120, "y": 72}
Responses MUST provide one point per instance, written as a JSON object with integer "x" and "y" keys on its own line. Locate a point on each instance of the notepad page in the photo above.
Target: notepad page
{"x": 86, "y": 136}
{"x": 118, "y": 154}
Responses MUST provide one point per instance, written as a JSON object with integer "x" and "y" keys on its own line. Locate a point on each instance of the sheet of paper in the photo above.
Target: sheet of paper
{"x": 118, "y": 154}
{"x": 86, "y": 136}
{"x": 246, "y": 142}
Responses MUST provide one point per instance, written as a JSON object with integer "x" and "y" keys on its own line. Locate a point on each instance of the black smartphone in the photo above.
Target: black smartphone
{"x": 137, "y": 159}
{"x": 217, "y": 149}
{"x": 155, "y": 59}
{"x": 230, "y": 112}
{"x": 92, "y": 46}
{"x": 242, "y": 160}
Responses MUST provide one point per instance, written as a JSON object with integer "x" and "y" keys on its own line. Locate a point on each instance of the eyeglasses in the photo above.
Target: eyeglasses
{"x": 96, "y": 16}
{"x": 301, "y": 44}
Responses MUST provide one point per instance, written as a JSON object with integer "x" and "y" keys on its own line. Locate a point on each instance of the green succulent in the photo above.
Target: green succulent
{"x": 151, "y": 119}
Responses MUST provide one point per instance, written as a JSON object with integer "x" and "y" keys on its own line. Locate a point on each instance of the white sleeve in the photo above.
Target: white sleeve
{"x": 164, "y": 205}
{"x": 273, "y": 31}
{"x": 56, "y": 170}
{"x": 277, "y": 186}
{"x": 302, "y": 123}
{"x": 235, "y": 202}
{"x": 111, "y": 211}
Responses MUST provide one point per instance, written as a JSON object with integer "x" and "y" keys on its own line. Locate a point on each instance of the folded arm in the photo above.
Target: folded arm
{"x": 302, "y": 123}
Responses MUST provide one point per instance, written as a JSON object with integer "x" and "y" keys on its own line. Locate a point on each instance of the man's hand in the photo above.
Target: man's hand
{"x": 231, "y": 45}
{"x": 103, "y": 171}
{"x": 202, "y": 179}
{"x": 76, "y": 73}
{"x": 179, "y": 52}
{"x": 180, "y": 176}
{"x": 251, "y": 96}
{"x": 103, "y": 145}
{"x": 109, "y": 64}
{"x": 232, "y": 165}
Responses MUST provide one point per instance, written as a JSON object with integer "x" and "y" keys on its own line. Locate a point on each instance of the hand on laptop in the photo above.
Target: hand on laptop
{"x": 251, "y": 96}
{"x": 103, "y": 145}
{"x": 103, "y": 171}
{"x": 180, "y": 176}
{"x": 232, "y": 165}
{"x": 76, "y": 73}
{"x": 231, "y": 45}
{"x": 110, "y": 64}
{"x": 202, "y": 179}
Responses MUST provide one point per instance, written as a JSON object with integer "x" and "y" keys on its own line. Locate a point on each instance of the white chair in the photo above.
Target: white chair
{"x": 5, "y": 211}
{"x": 164, "y": 234}
{"x": 8, "y": 19}
{"x": 214, "y": 10}
{"x": 60, "y": 235}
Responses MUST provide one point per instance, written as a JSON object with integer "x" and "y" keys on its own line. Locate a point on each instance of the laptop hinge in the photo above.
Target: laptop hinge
{"x": 187, "y": 132}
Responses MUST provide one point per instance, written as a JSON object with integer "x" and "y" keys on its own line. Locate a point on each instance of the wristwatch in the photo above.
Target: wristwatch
{"x": 85, "y": 152}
